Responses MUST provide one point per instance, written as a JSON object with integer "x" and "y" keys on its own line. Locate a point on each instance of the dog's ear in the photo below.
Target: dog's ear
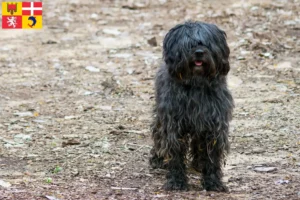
{"x": 175, "y": 52}
{"x": 225, "y": 67}
{"x": 225, "y": 62}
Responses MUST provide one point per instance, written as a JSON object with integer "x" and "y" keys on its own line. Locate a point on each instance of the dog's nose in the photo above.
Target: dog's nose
{"x": 199, "y": 51}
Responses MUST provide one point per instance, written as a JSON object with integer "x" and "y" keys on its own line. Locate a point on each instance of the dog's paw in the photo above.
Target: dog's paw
{"x": 175, "y": 185}
{"x": 157, "y": 163}
{"x": 218, "y": 187}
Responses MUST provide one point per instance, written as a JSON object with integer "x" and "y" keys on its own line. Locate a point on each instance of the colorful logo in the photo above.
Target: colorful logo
{"x": 22, "y": 15}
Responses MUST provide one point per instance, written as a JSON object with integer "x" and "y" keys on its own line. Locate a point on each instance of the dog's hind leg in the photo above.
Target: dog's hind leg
{"x": 156, "y": 158}
{"x": 197, "y": 152}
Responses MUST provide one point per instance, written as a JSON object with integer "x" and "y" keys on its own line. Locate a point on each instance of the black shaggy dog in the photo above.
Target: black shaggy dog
{"x": 193, "y": 105}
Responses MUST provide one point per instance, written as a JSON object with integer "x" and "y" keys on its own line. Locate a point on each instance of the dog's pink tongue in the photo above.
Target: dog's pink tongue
{"x": 198, "y": 63}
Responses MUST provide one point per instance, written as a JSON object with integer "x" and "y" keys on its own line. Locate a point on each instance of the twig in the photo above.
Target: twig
{"x": 139, "y": 145}
{"x": 133, "y": 131}
{"x": 123, "y": 188}
{"x": 277, "y": 40}
{"x": 126, "y": 131}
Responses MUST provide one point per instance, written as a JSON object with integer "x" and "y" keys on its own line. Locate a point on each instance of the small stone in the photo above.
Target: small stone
{"x": 70, "y": 136}
{"x": 241, "y": 58}
{"x": 111, "y": 31}
{"x": 94, "y": 16}
{"x": 32, "y": 156}
{"x": 265, "y": 169}
{"x": 24, "y": 114}
{"x": 39, "y": 121}
{"x": 121, "y": 55}
{"x": 152, "y": 41}
{"x": 105, "y": 107}
{"x": 266, "y": 55}
{"x": 130, "y": 71}
{"x": 92, "y": 69}
{"x": 247, "y": 134}
{"x": 87, "y": 93}
{"x": 22, "y": 137}
{"x": 70, "y": 142}
{"x": 71, "y": 117}
{"x": 258, "y": 150}
{"x": 4, "y": 184}
{"x": 245, "y": 52}
{"x": 281, "y": 182}
{"x": 284, "y": 65}
{"x": 50, "y": 42}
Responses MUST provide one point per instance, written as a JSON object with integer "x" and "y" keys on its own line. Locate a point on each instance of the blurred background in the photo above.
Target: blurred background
{"x": 76, "y": 99}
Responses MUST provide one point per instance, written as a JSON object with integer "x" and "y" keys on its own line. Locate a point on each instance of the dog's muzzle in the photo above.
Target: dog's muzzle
{"x": 202, "y": 63}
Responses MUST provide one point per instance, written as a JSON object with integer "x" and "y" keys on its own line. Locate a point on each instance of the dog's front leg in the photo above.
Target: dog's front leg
{"x": 176, "y": 176}
{"x": 212, "y": 161}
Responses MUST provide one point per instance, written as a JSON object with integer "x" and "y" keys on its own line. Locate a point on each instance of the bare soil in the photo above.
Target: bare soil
{"x": 76, "y": 100}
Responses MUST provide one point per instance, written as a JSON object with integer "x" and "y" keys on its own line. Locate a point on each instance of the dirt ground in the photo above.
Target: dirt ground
{"x": 76, "y": 100}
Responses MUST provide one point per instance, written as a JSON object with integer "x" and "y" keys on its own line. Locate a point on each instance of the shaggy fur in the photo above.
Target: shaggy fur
{"x": 193, "y": 105}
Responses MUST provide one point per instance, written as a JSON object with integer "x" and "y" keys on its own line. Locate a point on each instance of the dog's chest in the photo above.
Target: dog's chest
{"x": 205, "y": 107}
{"x": 201, "y": 102}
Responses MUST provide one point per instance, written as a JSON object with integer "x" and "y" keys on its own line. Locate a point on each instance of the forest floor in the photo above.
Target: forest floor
{"x": 76, "y": 100}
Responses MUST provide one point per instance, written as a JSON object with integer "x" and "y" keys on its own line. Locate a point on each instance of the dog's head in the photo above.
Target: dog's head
{"x": 196, "y": 49}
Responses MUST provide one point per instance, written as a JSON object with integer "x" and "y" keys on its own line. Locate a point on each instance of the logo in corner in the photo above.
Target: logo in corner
{"x": 22, "y": 15}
